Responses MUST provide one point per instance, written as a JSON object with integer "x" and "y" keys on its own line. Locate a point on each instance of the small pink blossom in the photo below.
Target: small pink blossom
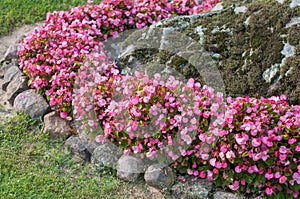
{"x": 282, "y": 179}
{"x": 269, "y": 175}
{"x": 292, "y": 141}
{"x": 212, "y": 162}
{"x": 230, "y": 155}
{"x": 296, "y": 176}
{"x": 223, "y": 148}
{"x": 269, "y": 191}
{"x": 256, "y": 142}
{"x": 234, "y": 186}
{"x": 282, "y": 149}
{"x": 238, "y": 169}
{"x": 202, "y": 174}
{"x": 277, "y": 175}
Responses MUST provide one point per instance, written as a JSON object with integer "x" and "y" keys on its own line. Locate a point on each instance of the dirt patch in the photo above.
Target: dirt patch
{"x": 14, "y": 36}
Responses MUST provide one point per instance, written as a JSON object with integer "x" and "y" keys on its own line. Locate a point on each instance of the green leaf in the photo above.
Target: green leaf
{"x": 270, "y": 161}
{"x": 248, "y": 179}
{"x": 279, "y": 196}
{"x": 245, "y": 154}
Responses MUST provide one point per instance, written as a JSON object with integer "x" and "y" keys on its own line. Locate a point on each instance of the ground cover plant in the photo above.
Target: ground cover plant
{"x": 250, "y": 145}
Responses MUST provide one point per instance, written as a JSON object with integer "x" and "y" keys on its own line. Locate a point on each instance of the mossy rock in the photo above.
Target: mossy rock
{"x": 246, "y": 48}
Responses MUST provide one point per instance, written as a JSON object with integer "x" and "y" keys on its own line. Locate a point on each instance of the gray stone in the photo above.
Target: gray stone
{"x": 226, "y": 195}
{"x": 15, "y": 87}
{"x": 192, "y": 189}
{"x": 78, "y": 148}
{"x": 56, "y": 126}
{"x": 6, "y": 110}
{"x": 31, "y": 103}
{"x": 89, "y": 138}
{"x": 9, "y": 74}
{"x": 3, "y": 100}
{"x": 159, "y": 176}
{"x": 295, "y": 3}
{"x": 106, "y": 155}
{"x": 11, "y": 53}
{"x": 253, "y": 51}
{"x": 5, "y": 65}
{"x": 129, "y": 168}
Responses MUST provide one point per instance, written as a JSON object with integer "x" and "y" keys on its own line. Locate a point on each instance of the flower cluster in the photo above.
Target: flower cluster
{"x": 158, "y": 118}
{"x": 51, "y": 55}
{"x": 259, "y": 149}
{"x": 249, "y": 145}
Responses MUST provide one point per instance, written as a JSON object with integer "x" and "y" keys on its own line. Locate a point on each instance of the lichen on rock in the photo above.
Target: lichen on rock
{"x": 255, "y": 46}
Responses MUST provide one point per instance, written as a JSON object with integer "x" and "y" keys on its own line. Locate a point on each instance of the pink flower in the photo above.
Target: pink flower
{"x": 238, "y": 169}
{"x": 209, "y": 175}
{"x": 296, "y": 176}
{"x": 243, "y": 182}
{"x": 269, "y": 191}
{"x": 277, "y": 175}
{"x": 292, "y": 141}
{"x": 234, "y": 186}
{"x": 253, "y": 169}
{"x": 256, "y": 142}
{"x": 282, "y": 157}
{"x": 224, "y": 165}
{"x": 241, "y": 139}
{"x": 282, "y": 179}
{"x": 212, "y": 162}
{"x": 267, "y": 141}
{"x": 134, "y": 100}
{"x": 282, "y": 149}
{"x": 196, "y": 173}
{"x": 63, "y": 114}
{"x": 223, "y": 148}
{"x": 202, "y": 174}
{"x": 230, "y": 155}
{"x": 204, "y": 156}
{"x": 218, "y": 165}
{"x": 269, "y": 176}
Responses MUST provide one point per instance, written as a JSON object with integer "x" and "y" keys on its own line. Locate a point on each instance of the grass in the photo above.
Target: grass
{"x": 34, "y": 166}
{"x": 14, "y": 13}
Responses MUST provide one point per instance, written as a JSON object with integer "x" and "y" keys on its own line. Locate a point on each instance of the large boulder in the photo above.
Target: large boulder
{"x": 240, "y": 48}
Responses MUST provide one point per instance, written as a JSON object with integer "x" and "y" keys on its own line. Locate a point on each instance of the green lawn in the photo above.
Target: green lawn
{"x": 34, "y": 166}
{"x": 14, "y": 13}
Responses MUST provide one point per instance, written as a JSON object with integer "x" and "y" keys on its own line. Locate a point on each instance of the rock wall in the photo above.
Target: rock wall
{"x": 240, "y": 47}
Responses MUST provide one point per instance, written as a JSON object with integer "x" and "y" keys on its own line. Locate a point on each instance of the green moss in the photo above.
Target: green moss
{"x": 289, "y": 84}
{"x": 294, "y": 35}
{"x": 242, "y": 51}
{"x": 247, "y": 51}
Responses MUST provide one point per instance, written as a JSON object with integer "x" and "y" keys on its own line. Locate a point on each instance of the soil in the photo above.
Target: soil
{"x": 13, "y": 37}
